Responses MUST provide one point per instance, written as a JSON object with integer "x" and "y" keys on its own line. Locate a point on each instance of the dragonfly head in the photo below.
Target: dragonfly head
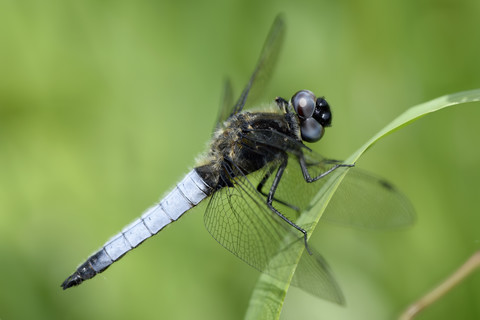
{"x": 314, "y": 114}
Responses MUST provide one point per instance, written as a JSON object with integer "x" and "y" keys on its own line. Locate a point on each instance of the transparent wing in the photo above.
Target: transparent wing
{"x": 262, "y": 71}
{"x": 362, "y": 199}
{"x": 367, "y": 201}
{"x": 226, "y": 104}
{"x": 321, "y": 284}
{"x": 239, "y": 219}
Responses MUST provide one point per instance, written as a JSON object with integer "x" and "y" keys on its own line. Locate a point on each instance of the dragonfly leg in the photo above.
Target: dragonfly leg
{"x": 261, "y": 184}
{"x": 306, "y": 174}
{"x": 270, "y": 197}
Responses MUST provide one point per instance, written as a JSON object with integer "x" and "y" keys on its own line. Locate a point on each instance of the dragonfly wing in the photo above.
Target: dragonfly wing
{"x": 361, "y": 200}
{"x": 318, "y": 281}
{"x": 239, "y": 219}
{"x": 226, "y": 104}
{"x": 367, "y": 201}
{"x": 264, "y": 67}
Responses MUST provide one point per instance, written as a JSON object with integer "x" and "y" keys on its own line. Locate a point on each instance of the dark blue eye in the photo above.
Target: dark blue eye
{"x": 304, "y": 103}
{"x": 311, "y": 130}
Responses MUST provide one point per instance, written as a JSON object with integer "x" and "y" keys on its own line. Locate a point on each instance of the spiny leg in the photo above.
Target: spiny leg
{"x": 261, "y": 184}
{"x": 306, "y": 174}
{"x": 273, "y": 188}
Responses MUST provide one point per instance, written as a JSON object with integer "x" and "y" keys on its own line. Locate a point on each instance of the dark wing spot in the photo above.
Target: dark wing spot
{"x": 386, "y": 184}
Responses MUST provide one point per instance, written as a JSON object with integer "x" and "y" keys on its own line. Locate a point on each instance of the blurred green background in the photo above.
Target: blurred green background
{"x": 104, "y": 105}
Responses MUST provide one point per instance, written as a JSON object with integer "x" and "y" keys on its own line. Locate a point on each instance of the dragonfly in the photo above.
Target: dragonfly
{"x": 260, "y": 177}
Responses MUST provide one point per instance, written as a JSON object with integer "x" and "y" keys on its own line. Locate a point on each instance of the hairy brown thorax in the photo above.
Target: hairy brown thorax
{"x": 232, "y": 143}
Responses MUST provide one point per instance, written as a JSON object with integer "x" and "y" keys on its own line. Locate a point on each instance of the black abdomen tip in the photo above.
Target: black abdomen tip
{"x": 74, "y": 280}
{"x": 84, "y": 272}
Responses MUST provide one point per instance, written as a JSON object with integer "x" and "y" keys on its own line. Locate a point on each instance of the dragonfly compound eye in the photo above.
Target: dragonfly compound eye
{"x": 304, "y": 103}
{"x": 322, "y": 112}
{"x": 311, "y": 130}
